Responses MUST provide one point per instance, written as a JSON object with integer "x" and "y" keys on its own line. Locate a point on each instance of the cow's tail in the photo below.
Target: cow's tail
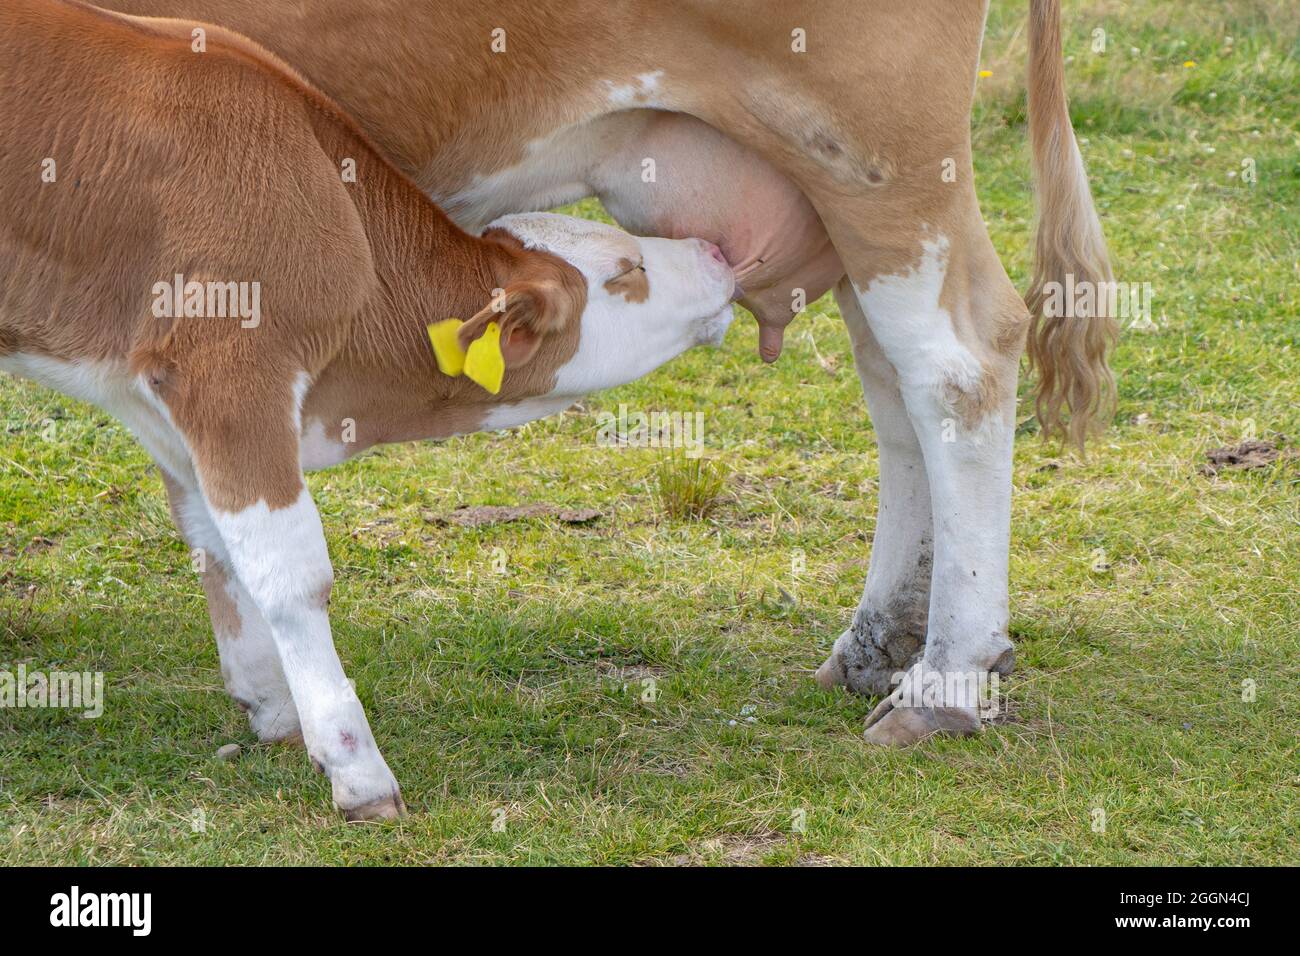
{"x": 1068, "y": 350}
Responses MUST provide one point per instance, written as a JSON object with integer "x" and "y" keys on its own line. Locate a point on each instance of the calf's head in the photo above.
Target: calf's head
{"x": 585, "y": 306}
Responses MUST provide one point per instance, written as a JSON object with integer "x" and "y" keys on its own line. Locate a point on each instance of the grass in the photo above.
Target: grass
{"x": 637, "y": 689}
{"x": 689, "y": 487}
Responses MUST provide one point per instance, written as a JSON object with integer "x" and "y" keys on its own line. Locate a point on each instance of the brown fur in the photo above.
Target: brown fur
{"x": 350, "y": 273}
{"x": 632, "y": 283}
{"x": 862, "y": 124}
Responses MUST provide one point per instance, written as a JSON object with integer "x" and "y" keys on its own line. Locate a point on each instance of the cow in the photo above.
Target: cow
{"x": 371, "y": 318}
{"x": 819, "y": 143}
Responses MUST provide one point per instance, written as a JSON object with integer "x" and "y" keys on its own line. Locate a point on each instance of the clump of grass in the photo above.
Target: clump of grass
{"x": 689, "y": 488}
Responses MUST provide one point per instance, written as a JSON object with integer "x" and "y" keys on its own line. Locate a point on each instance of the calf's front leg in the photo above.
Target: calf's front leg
{"x": 246, "y": 460}
{"x": 279, "y": 554}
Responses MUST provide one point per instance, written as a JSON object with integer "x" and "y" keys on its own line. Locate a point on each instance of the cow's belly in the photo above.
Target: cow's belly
{"x": 670, "y": 174}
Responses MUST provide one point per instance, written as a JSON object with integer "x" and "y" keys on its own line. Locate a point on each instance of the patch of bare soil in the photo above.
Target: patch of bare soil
{"x": 10, "y": 548}
{"x": 1243, "y": 457}
{"x": 475, "y": 516}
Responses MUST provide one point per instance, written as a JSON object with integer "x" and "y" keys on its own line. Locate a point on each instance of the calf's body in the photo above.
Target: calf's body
{"x": 195, "y": 239}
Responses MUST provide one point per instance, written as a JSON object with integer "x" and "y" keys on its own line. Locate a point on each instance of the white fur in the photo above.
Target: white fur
{"x": 904, "y": 528}
{"x": 688, "y": 304}
{"x": 250, "y": 662}
{"x": 643, "y": 91}
{"x": 918, "y": 334}
{"x": 281, "y": 558}
{"x": 552, "y": 173}
{"x": 510, "y": 414}
{"x": 969, "y": 477}
{"x": 317, "y": 450}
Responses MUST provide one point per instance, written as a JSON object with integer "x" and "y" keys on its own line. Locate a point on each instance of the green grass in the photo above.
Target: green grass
{"x": 637, "y": 689}
{"x": 688, "y": 487}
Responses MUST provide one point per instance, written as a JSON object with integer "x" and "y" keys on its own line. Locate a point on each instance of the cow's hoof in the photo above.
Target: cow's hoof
{"x": 893, "y": 725}
{"x": 390, "y": 807}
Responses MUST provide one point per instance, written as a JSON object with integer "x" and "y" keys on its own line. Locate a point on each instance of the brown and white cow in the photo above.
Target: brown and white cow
{"x": 775, "y": 126}
{"x": 139, "y": 177}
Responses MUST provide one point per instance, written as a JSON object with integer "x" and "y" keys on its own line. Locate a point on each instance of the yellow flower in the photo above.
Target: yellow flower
{"x": 1189, "y": 64}
{"x": 984, "y": 73}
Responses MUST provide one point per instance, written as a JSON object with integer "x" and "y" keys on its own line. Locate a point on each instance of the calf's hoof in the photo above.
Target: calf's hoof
{"x": 390, "y": 807}
{"x": 276, "y": 724}
{"x": 363, "y": 787}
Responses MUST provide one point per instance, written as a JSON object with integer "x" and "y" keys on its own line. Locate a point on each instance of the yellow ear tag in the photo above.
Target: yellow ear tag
{"x": 446, "y": 346}
{"x": 484, "y": 362}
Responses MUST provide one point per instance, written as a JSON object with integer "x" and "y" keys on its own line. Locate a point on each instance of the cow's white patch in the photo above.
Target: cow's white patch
{"x": 919, "y": 337}
{"x": 897, "y": 588}
{"x": 914, "y": 330}
{"x": 551, "y": 173}
{"x": 969, "y": 473}
{"x": 317, "y": 449}
{"x": 643, "y": 91}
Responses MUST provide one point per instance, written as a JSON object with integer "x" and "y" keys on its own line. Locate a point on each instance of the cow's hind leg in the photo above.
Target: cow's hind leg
{"x": 888, "y": 629}
{"x": 250, "y": 663}
{"x": 952, "y": 327}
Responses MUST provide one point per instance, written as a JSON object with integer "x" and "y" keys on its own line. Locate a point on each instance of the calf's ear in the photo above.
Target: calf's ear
{"x": 525, "y": 312}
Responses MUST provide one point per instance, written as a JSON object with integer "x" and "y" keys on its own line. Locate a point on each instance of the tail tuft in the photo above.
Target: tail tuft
{"x": 1067, "y": 350}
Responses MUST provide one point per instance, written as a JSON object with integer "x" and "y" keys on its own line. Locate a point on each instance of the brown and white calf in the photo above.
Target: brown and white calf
{"x": 819, "y": 142}
{"x": 141, "y": 175}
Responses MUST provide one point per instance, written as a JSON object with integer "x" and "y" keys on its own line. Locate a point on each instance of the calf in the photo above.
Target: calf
{"x": 201, "y": 243}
